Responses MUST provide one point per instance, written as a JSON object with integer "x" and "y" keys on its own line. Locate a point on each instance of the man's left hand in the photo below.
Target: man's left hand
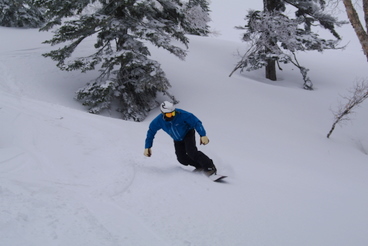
{"x": 204, "y": 140}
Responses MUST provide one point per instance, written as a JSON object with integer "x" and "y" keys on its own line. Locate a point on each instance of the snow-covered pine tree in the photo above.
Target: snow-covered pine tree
{"x": 276, "y": 36}
{"x": 197, "y": 14}
{"x": 129, "y": 80}
{"x": 20, "y": 13}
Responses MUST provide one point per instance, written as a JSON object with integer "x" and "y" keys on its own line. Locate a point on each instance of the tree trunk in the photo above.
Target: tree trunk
{"x": 357, "y": 25}
{"x": 270, "y": 6}
{"x": 273, "y": 5}
{"x": 271, "y": 70}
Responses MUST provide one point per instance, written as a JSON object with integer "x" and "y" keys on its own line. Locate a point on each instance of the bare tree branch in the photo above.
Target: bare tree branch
{"x": 358, "y": 94}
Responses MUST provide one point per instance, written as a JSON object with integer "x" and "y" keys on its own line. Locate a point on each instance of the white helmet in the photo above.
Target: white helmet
{"x": 167, "y": 107}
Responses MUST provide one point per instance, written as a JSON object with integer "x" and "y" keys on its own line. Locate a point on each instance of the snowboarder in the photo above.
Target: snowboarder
{"x": 181, "y": 126}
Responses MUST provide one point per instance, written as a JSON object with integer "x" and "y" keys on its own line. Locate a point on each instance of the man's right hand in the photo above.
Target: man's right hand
{"x": 147, "y": 152}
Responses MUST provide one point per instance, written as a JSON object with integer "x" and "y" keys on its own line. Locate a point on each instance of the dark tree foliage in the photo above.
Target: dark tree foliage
{"x": 129, "y": 81}
{"x": 20, "y": 13}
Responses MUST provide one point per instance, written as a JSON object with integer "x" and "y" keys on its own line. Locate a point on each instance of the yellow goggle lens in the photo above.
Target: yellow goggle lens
{"x": 169, "y": 115}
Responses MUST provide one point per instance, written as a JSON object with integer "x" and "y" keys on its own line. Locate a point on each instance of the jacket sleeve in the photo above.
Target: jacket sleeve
{"x": 196, "y": 124}
{"x": 152, "y": 130}
{"x": 200, "y": 129}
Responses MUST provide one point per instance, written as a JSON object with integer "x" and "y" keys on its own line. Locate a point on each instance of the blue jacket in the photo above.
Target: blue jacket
{"x": 177, "y": 128}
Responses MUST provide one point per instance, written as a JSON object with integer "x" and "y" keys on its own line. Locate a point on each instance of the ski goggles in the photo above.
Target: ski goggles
{"x": 169, "y": 115}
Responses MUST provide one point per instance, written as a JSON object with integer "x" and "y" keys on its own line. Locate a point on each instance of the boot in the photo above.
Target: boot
{"x": 210, "y": 171}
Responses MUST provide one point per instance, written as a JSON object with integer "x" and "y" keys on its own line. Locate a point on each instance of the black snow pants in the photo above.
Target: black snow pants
{"x": 187, "y": 153}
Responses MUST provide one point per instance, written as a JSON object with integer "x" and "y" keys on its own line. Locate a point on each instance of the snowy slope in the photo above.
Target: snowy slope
{"x": 71, "y": 178}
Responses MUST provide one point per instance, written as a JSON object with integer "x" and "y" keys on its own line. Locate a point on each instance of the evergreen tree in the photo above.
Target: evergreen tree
{"x": 20, "y": 13}
{"x": 129, "y": 80}
{"x": 197, "y": 12}
{"x": 276, "y": 37}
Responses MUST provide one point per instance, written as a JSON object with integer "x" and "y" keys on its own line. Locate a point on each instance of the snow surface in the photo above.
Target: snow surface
{"x": 71, "y": 178}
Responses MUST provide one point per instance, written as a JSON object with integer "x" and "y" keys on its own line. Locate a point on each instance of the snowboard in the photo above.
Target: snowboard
{"x": 213, "y": 177}
{"x": 217, "y": 177}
